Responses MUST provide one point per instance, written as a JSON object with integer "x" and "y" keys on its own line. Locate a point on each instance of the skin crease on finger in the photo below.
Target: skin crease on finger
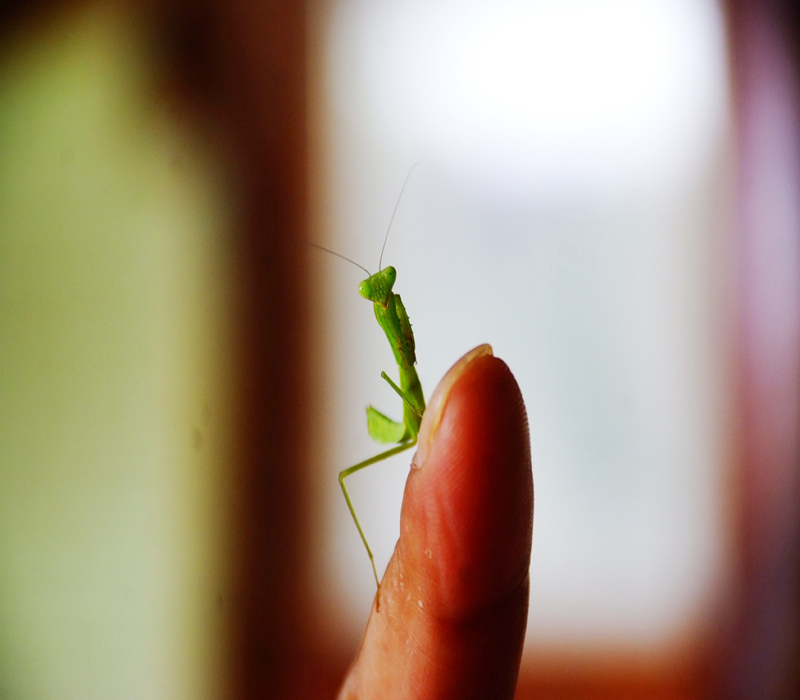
{"x": 455, "y": 594}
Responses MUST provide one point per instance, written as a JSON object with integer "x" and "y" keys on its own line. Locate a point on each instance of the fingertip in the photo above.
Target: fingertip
{"x": 433, "y": 414}
{"x": 454, "y": 597}
{"x": 467, "y": 515}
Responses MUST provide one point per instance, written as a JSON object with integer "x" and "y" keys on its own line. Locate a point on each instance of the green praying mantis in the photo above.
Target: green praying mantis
{"x": 393, "y": 319}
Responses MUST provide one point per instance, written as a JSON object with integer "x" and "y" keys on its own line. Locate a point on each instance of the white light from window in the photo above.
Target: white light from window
{"x": 548, "y": 97}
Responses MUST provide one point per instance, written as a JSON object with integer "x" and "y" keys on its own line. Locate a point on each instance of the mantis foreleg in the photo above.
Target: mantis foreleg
{"x": 402, "y": 394}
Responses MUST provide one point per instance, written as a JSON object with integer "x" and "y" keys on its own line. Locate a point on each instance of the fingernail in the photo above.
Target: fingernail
{"x": 435, "y": 408}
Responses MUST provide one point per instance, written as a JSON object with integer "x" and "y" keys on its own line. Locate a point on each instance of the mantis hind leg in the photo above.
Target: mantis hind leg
{"x": 358, "y": 467}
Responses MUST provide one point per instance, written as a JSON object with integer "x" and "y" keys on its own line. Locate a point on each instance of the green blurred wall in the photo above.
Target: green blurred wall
{"x": 115, "y": 377}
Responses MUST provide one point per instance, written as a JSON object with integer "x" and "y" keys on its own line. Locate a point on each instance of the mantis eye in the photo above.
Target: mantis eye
{"x": 365, "y": 289}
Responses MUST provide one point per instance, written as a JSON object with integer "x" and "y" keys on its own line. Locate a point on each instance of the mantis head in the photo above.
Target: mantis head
{"x": 378, "y": 287}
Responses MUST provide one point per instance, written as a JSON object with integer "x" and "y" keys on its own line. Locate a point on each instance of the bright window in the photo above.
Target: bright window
{"x": 570, "y": 209}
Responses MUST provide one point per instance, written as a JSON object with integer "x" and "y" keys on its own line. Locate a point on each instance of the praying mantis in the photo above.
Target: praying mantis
{"x": 393, "y": 319}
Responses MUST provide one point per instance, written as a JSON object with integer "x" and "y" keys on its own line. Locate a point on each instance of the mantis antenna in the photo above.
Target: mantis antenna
{"x": 402, "y": 189}
{"x": 339, "y": 255}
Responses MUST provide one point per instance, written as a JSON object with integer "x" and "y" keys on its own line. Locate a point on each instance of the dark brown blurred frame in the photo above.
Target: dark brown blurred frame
{"x": 243, "y": 65}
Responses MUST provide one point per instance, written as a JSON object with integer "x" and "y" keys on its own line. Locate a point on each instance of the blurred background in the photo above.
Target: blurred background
{"x": 607, "y": 192}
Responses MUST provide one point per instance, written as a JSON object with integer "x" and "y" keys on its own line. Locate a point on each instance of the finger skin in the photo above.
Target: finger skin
{"x": 454, "y": 599}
